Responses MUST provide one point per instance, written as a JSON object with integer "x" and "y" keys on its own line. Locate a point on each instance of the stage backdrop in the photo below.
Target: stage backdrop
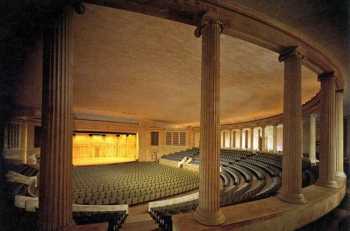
{"x": 102, "y": 148}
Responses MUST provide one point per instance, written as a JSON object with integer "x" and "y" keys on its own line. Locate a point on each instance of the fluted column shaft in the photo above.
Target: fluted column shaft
{"x": 340, "y": 133}
{"x": 328, "y": 118}
{"x": 208, "y": 211}
{"x": 292, "y": 129}
{"x": 312, "y": 145}
{"x": 263, "y": 140}
{"x": 55, "y": 200}
{"x": 252, "y": 139}
{"x": 234, "y": 139}
{"x": 274, "y": 138}
{"x": 240, "y": 139}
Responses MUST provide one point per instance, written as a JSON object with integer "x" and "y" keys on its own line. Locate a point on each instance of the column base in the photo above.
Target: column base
{"x": 206, "y": 218}
{"x": 328, "y": 184}
{"x": 292, "y": 198}
{"x": 340, "y": 174}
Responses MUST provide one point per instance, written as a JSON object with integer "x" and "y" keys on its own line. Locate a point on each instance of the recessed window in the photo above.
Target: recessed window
{"x": 176, "y": 138}
{"x": 155, "y": 138}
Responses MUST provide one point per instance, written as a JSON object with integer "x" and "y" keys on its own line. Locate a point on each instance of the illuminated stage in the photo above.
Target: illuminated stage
{"x": 95, "y": 149}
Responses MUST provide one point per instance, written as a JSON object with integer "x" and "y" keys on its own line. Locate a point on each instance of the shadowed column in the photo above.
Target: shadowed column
{"x": 208, "y": 211}
{"x": 292, "y": 129}
{"x": 328, "y": 118}
{"x": 56, "y": 159}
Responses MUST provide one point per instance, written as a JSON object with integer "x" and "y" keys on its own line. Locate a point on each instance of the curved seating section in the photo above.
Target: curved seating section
{"x": 130, "y": 183}
{"x": 16, "y": 188}
{"x": 23, "y": 169}
{"x": 162, "y": 215}
{"x": 245, "y": 176}
{"x": 193, "y": 152}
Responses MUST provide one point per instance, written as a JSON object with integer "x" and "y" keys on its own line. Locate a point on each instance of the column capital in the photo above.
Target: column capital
{"x": 78, "y": 6}
{"x": 208, "y": 19}
{"x": 51, "y": 9}
{"x": 290, "y": 52}
{"x": 313, "y": 115}
{"x": 326, "y": 76}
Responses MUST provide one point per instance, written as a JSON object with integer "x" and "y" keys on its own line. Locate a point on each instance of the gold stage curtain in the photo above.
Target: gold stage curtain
{"x": 104, "y": 149}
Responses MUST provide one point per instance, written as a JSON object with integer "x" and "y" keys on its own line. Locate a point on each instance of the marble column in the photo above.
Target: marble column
{"x": 252, "y": 139}
{"x": 291, "y": 190}
{"x": 274, "y": 138}
{"x": 312, "y": 140}
{"x": 55, "y": 200}
{"x": 327, "y": 166}
{"x": 339, "y": 133}
{"x": 208, "y": 211}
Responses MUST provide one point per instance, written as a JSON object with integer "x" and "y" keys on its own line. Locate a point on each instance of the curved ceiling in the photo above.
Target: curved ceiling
{"x": 129, "y": 65}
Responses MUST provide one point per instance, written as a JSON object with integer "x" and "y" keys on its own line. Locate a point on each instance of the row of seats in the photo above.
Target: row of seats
{"x": 24, "y": 169}
{"x": 131, "y": 183}
{"x": 162, "y": 215}
{"x": 245, "y": 176}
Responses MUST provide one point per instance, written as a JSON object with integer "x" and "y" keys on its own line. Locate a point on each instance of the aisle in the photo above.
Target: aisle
{"x": 139, "y": 219}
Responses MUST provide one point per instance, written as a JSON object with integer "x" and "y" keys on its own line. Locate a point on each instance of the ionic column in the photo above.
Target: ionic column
{"x": 293, "y": 129}
{"x": 339, "y": 133}
{"x": 24, "y": 141}
{"x": 55, "y": 200}
{"x": 312, "y": 140}
{"x": 208, "y": 211}
{"x": 233, "y": 138}
{"x": 221, "y": 139}
{"x": 252, "y": 139}
{"x": 328, "y": 118}
{"x": 274, "y": 138}
{"x": 263, "y": 139}
{"x": 240, "y": 138}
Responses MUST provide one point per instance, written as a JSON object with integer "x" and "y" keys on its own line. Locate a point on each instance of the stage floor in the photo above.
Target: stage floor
{"x": 101, "y": 161}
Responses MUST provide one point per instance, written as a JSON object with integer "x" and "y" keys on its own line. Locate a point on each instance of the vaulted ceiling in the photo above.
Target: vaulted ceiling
{"x": 129, "y": 65}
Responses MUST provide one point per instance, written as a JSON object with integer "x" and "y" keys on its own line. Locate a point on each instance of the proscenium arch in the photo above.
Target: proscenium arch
{"x": 239, "y": 22}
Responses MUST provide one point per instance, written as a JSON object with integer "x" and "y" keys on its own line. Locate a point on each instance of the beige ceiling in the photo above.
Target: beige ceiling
{"x": 129, "y": 65}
